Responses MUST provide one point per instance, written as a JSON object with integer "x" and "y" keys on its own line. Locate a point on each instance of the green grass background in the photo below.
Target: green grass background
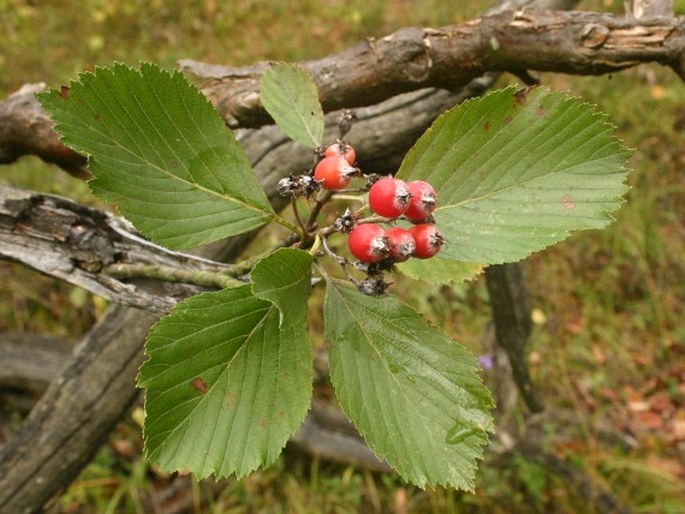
{"x": 608, "y": 347}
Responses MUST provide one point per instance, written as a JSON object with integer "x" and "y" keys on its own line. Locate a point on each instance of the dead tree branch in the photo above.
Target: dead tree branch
{"x": 408, "y": 60}
{"x": 75, "y": 243}
{"x": 511, "y": 318}
{"x": 26, "y": 129}
{"x": 76, "y": 413}
{"x": 581, "y": 43}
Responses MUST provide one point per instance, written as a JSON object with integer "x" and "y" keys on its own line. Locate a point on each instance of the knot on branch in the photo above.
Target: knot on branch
{"x": 594, "y": 35}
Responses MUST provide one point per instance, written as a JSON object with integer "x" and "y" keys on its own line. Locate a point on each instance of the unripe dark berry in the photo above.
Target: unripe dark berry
{"x": 334, "y": 172}
{"x": 368, "y": 243}
{"x": 402, "y": 244}
{"x": 428, "y": 240}
{"x": 389, "y": 197}
{"x": 342, "y": 149}
{"x": 422, "y": 202}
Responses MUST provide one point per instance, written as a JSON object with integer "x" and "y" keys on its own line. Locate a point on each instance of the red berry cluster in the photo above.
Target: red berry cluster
{"x": 376, "y": 241}
{"x": 391, "y": 198}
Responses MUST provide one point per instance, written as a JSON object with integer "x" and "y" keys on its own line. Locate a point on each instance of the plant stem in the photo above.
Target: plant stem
{"x": 315, "y": 245}
{"x": 296, "y": 212}
{"x": 213, "y": 279}
{"x": 350, "y": 198}
{"x": 320, "y": 202}
{"x": 241, "y": 268}
{"x": 290, "y": 226}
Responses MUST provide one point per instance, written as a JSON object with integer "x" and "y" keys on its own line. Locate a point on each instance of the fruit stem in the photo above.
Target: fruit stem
{"x": 315, "y": 245}
{"x": 349, "y": 198}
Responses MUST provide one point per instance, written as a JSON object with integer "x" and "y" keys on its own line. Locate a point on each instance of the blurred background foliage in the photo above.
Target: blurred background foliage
{"x": 608, "y": 349}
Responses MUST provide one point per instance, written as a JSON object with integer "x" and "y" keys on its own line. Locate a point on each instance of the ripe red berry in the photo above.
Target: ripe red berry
{"x": 341, "y": 149}
{"x": 422, "y": 202}
{"x": 428, "y": 240}
{"x": 334, "y": 172}
{"x": 402, "y": 244}
{"x": 368, "y": 243}
{"x": 389, "y": 197}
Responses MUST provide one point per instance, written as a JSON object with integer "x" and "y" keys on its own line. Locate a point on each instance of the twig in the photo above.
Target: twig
{"x": 209, "y": 279}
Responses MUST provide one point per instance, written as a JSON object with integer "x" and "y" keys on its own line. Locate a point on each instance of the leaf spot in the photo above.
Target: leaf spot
{"x": 199, "y": 385}
{"x": 487, "y": 126}
{"x": 568, "y": 202}
{"x": 521, "y": 96}
{"x": 230, "y": 400}
{"x": 64, "y": 92}
{"x": 508, "y": 120}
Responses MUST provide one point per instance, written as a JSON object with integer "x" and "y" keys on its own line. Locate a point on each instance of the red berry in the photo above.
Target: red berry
{"x": 422, "y": 202}
{"x": 342, "y": 149}
{"x": 428, "y": 240}
{"x": 334, "y": 172}
{"x": 389, "y": 197}
{"x": 368, "y": 243}
{"x": 402, "y": 244}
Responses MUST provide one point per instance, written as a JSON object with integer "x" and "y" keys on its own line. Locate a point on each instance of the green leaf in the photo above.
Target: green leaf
{"x": 440, "y": 271}
{"x": 411, "y": 391}
{"x": 289, "y": 95}
{"x": 229, "y": 373}
{"x": 283, "y": 278}
{"x": 517, "y": 171}
{"x": 161, "y": 153}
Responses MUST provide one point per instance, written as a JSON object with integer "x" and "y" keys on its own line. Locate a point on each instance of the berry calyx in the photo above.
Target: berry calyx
{"x": 422, "y": 202}
{"x": 342, "y": 149}
{"x": 402, "y": 244}
{"x": 389, "y": 197}
{"x": 428, "y": 240}
{"x": 368, "y": 243}
{"x": 334, "y": 172}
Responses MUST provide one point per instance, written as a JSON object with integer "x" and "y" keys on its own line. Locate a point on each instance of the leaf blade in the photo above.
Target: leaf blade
{"x": 283, "y": 278}
{"x": 289, "y": 95}
{"x": 228, "y": 375}
{"x": 411, "y": 391}
{"x": 161, "y": 153}
{"x": 518, "y": 171}
{"x": 440, "y": 271}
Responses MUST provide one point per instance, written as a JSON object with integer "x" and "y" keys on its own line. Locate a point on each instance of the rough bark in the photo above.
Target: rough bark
{"x": 412, "y": 58}
{"x": 31, "y": 361}
{"x": 76, "y": 413}
{"x": 75, "y": 243}
{"x": 511, "y": 318}
{"x": 26, "y": 129}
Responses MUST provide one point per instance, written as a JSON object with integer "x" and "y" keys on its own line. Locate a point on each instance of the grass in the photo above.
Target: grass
{"x": 608, "y": 347}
